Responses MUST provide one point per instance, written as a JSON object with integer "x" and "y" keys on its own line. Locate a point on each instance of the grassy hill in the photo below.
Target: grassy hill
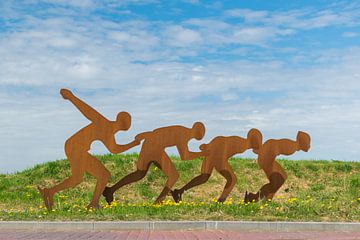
{"x": 315, "y": 191}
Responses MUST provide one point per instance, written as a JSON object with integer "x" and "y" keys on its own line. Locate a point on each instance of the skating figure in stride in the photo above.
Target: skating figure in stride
{"x": 78, "y": 145}
{"x": 274, "y": 172}
{"x": 153, "y": 151}
{"x": 220, "y": 150}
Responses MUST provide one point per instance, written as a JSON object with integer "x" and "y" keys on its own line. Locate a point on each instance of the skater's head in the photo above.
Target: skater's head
{"x": 254, "y": 138}
{"x": 123, "y": 121}
{"x": 303, "y": 139}
{"x": 198, "y": 130}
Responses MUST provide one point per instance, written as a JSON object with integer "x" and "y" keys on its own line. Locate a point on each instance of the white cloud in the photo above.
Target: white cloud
{"x": 299, "y": 19}
{"x": 192, "y": 1}
{"x": 180, "y": 36}
{"x": 349, "y": 34}
{"x": 73, "y": 3}
{"x": 253, "y": 35}
{"x": 247, "y": 14}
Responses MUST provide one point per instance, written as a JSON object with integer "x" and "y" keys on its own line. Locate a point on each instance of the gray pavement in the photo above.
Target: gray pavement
{"x": 28, "y": 230}
{"x": 182, "y": 225}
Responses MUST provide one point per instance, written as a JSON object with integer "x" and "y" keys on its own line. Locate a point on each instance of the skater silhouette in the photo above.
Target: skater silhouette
{"x": 78, "y": 145}
{"x": 153, "y": 151}
{"x": 274, "y": 172}
{"x": 220, "y": 150}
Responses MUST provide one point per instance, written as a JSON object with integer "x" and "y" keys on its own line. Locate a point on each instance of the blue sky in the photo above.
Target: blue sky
{"x": 279, "y": 66}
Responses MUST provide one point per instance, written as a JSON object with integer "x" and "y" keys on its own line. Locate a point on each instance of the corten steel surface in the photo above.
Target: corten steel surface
{"x": 153, "y": 151}
{"x": 267, "y": 154}
{"x": 220, "y": 150}
{"x": 78, "y": 145}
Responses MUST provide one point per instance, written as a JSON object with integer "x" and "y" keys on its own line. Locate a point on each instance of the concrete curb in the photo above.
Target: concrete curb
{"x": 182, "y": 225}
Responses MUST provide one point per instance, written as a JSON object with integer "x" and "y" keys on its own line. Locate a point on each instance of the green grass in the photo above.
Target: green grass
{"x": 314, "y": 191}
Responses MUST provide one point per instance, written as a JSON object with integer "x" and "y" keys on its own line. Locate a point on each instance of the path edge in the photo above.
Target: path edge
{"x": 181, "y": 225}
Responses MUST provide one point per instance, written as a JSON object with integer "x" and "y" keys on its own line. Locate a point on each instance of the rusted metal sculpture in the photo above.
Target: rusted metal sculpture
{"x": 153, "y": 151}
{"x": 267, "y": 154}
{"x": 220, "y": 150}
{"x": 78, "y": 145}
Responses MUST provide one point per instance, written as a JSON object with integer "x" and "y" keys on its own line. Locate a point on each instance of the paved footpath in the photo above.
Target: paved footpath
{"x": 200, "y": 234}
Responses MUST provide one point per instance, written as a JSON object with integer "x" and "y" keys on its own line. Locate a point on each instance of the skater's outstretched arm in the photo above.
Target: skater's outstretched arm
{"x": 185, "y": 154}
{"x": 115, "y": 148}
{"x": 143, "y": 135}
{"x": 85, "y": 109}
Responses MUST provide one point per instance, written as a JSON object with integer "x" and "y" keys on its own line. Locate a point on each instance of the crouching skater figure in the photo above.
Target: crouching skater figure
{"x": 220, "y": 150}
{"x": 153, "y": 151}
{"x": 274, "y": 172}
{"x": 78, "y": 145}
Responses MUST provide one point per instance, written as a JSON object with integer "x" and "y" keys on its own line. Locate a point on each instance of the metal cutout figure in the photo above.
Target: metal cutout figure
{"x": 78, "y": 145}
{"x": 274, "y": 172}
{"x": 220, "y": 150}
{"x": 153, "y": 151}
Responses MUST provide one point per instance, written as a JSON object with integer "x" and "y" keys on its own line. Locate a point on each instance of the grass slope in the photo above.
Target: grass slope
{"x": 315, "y": 191}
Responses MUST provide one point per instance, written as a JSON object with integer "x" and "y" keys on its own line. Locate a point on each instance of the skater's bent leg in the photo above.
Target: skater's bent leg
{"x": 231, "y": 179}
{"x": 130, "y": 178}
{"x": 266, "y": 164}
{"x": 70, "y": 182}
{"x": 170, "y": 171}
{"x": 108, "y": 192}
{"x": 48, "y": 193}
{"x": 277, "y": 177}
{"x": 268, "y": 190}
{"x": 95, "y": 168}
{"x": 198, "y": 180}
